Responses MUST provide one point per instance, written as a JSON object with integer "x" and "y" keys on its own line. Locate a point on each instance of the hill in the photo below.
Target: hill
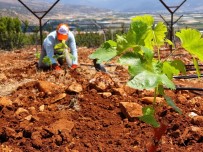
{"x": 60, "y": 11}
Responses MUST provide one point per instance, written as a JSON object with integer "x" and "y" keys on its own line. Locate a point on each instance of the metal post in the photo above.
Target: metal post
{"x": 40, "y": 18}
{"x": 172, "y": 22}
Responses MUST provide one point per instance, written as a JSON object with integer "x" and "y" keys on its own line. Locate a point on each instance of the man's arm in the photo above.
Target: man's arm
{"x": 72, "y": 45}
{"x": 48, "y": 45}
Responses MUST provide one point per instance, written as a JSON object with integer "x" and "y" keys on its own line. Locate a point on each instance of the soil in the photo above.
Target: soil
{"x": 37, "y": 119}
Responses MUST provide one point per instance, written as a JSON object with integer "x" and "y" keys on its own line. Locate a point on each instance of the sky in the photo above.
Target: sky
{"x": 132, "y": 5}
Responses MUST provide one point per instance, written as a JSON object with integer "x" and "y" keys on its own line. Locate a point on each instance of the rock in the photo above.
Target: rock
{"x": 49, "y": 87}
{"x": 58, "y": 97}
{"x": 192, "y": 132}
{"x": 41, "y": 108}
{"x": 58, "y": 140}
{"x": 36, "y": 139}
{"x": 60, "y": 126}
{"x": 131, "y": 110}
{"x": 10, "y": 132}
{"x": 54, "y": 99}
{"x": 198, "y": 120}
{"x": 102, "y": 81}
{"x": 75, "y": 87}
{"x": 129, "y": 90}
{"x": 119, "y": 91}
{"x": 2, "y": 77}
{"x": 29, "y": 117}
{"x": 21, "y": 110}
{"x": 182, "y": 99}
{"x": 5, "y": 101}
{"x": 144, "y": 93}
{"x": 106, "y": 94}
{"x": 150, "y": 100}
{"x": 32, "y": 110}
{"x": 192, "y": 114}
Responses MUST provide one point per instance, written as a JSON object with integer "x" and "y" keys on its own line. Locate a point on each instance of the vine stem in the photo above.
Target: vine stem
{"x": 155, "y": 94}
{"x": 170, "y": 55}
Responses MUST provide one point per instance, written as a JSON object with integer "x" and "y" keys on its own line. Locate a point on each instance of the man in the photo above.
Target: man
{"x": 61, "y": 33}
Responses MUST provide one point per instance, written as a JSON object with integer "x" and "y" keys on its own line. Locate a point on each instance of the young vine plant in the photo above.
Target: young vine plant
{"x": 135, "y": 49}
{"x": 60, "y": 48}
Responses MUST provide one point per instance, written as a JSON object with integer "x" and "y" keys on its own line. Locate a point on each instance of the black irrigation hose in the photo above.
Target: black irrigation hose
{"x": 192, "y": 69}
{"x": 187, "y": 76}
{"x": 192, "y": 65}
{"x": 189, "y": 88}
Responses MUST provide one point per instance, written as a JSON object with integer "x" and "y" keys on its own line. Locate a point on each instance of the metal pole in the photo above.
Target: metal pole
{"x": 39, "y": 18}
{"x": 172, "y": 19}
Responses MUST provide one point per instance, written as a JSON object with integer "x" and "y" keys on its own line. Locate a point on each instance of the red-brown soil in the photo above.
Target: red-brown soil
{"x": 33, "y": 120}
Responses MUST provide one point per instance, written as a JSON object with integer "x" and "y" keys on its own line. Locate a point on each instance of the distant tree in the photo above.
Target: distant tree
{"x": 11, "y": 35}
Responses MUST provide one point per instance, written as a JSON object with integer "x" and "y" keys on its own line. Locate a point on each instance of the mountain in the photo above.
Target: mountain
{"x": 139, "y": 5}
{"x": 60, "y": 11}
{"x": 99, "y": 8}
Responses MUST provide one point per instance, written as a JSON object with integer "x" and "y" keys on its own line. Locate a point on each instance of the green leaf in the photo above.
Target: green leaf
{"x": 192, "y": 42}
{"x": 58, "y": 56}
{"x": 103, "y": 55}
{"x": 173, "y": 68}
{"x": 37, "y": 54}
{"x": 125, "y": 42}
{"x": 178, "y": 64}
{"x": 132, "y": 60}
{"x": 111, "y": 43}
{"x": 61, "y": 46}
{"x": 149, "y": 80}
{"x": 46, "y": 60}
{"x": 147, "y": 19}
{"x": 156, "y": 36}
{"x": 129, "y": 58}
{"x": 148, "y": 54}
{"x": 169, "y": 42}
{"x": 140, "y": 29}
{"x": 170, "y": 70}
{"x": 172, "y": 104}
{"x": 196, "y": 67}
{"x": 148, "y": 116}
{"x": 161, "y": 90}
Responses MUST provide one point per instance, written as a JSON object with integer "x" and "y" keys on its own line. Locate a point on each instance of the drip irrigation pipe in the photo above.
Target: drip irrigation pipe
{"x": 192, "y": 69}
{"x": 192, "y": 65}
{"x": 187, "y": 76}
{"x": 189, "y": 88}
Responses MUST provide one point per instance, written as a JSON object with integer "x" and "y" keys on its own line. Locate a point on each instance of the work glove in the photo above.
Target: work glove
{"x": 74, "y": 66}
{"x": 56, "y": 67}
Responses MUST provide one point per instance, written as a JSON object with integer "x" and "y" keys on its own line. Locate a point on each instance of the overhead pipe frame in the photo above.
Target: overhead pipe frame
{"x": 39, "y": 18}
{"x": 172, "y": 22}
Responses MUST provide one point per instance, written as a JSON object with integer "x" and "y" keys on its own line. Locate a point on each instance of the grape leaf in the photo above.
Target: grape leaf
{"x": 148, "y": 116}
{"x": 156, "y": 36}
{"x": 192, "y": 42}
{"x": 103, "y": 55}
{"x": 178, "y": 64}
{"x": 196, "y": 67}
{"x": 60, "y": 46}
{"x": 149, "y": 80}
{"x": 46, "y": 60}
{"x": 173, "y": 68}
{"x": 172, "y": 104}
{"x": 147, "y": 19}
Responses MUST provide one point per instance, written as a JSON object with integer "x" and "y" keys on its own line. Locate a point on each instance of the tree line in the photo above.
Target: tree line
{"x": 14, "y": 35}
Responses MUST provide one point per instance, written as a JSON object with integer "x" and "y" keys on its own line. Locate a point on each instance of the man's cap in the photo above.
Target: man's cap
{"x": 62, "y": 31}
